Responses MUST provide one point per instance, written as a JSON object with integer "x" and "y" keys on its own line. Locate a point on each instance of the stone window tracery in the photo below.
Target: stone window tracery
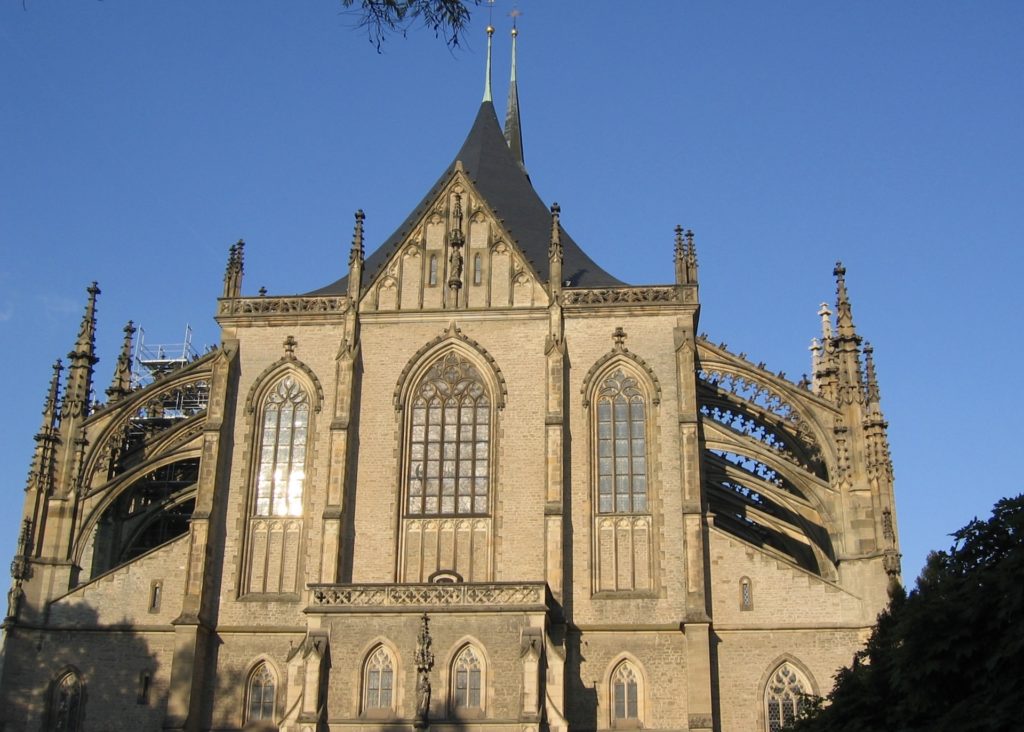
{"x": 625, "y": 695}
{"x": 621, "y": 445}
{"x": 260, "y": 695}
{"x": 282, "y": 454}
{"x": 378, "y": 684}
{"x": 783, "y": 697}
{"x": 449, "y": 454}
{"x": 467, "y": 681}
{"x": 66, "y": 704}
{"x": 746, "y": 594}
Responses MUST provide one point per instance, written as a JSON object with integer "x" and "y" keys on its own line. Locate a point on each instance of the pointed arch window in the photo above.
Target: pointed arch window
{"x": 379, "y": 681}
{"x": 67, "y": 704}
{"x": 449, "y": 453}
{"x": 625, "y": 695}
{"x": 282, "y": 454}
{"x": 467, "y": 678}
{"x": 621, "y": 445}
{"x": 784, "y": 697}
{"x": 259, "y": 696}
{"x": 746, "y": 594}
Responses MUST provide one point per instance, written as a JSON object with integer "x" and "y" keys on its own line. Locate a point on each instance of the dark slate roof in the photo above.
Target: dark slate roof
{"x": 505, "y": 186}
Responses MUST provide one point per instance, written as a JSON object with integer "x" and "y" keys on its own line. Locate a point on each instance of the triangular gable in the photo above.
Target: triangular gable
{"x": 493, "y": 271}
{"x": 503, "y": 183}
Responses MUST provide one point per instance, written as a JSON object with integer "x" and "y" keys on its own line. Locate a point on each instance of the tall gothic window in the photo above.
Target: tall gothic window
{"x": 282, "y": 456}
{"x": 259, "y": 703}
{"x": 783, "y": 697}
{"x": 478, "y": 269}
{"x": 621, "y": 445}
{"x": 625, "y": 694}
{"x": 66, "y": 704}
{"x": 466, "y": 681}
{"x": 449, "y": 454}
{"x": 378, "y": 681}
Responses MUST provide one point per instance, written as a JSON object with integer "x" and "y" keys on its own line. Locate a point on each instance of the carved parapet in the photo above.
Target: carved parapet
{"x": 656, "y": 295}
{"x": 493, "y": 596}
{"x": 300, "y": 305}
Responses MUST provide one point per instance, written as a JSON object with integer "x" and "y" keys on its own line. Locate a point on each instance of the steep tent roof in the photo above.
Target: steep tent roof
{"x": 503, "y": 183}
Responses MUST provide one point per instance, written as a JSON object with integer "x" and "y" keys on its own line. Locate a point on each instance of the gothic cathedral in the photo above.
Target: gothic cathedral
{"x": 475, "y": 483}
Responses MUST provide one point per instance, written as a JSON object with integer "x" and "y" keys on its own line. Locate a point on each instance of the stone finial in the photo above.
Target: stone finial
{"x": 121, "y": 386}
{"x": 844, "y": 311}
{"x": 619, "y": 338}
{"x": 81, "y": 362}
{"x": 289, "y": 347}
{"x": 555, "y": 248}
{"x": 870, "y": 378}
{"x": 826, "y": 321}
{"x": 50, "y": 407}
{"x": 234, "y": 270}
{"x": 357, "y": 240}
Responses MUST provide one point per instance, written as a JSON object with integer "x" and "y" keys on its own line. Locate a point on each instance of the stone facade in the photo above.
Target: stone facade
{"x": 607, "y": 520}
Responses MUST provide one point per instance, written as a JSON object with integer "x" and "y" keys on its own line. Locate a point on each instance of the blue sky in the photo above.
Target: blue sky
{"x": 139, "y": 140}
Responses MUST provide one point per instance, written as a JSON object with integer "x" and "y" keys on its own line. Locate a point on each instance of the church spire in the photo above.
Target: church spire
{"x": 122, "y": 383}
{"x": 81, "y": 361}
{"x": 487, "y": 77}
{"x": 513, "y": 128}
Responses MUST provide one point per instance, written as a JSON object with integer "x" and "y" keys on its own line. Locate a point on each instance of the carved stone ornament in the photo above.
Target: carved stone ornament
{"x": 282, "y": 305}
{"x": 621, "y": 296}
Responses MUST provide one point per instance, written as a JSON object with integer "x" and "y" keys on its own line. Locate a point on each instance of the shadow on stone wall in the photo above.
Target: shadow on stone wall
{"x": 120, "y": 675}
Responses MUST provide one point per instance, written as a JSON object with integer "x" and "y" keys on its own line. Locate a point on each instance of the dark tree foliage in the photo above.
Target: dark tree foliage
{"x": 950, "y": 655}
{"x": 380, "y": 18}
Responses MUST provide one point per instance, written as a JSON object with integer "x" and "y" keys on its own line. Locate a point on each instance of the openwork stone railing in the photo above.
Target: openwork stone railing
{"x": 621, "y": 295}
{"x": 491, "y": 596}
{"x": 281, "y": 305}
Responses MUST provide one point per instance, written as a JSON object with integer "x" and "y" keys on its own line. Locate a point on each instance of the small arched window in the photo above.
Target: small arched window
{"x": 259, "y": 704}
{"x": 478, "y": 269}
{"x": 784, "y": 697}
{"x": 432, "y": 277}
{"x": 66, "y": 704}
{"x": 625, "y": 695}
{"x": 467, "y": 681}
{"x": 621, "y": 445}
{"x": 746, "y": 594}
{"x": 449, "y": 452}
{"x": 379, "y": 680}
{"x": 282, "y": 453}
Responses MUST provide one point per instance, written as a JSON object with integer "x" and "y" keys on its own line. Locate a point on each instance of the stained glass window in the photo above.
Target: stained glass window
{"x": 66, "y": 709}
{"x": 621, "y": 446}
{"x": 625, "y": 693}
{"x": 380, "y": 676}
{"x": 260, "y": 694}
{"x": 466, "y": 694}
{"x": 449, "y": 447}
{"x": 282, "y": 456}
{"x": 783, "y": 697}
